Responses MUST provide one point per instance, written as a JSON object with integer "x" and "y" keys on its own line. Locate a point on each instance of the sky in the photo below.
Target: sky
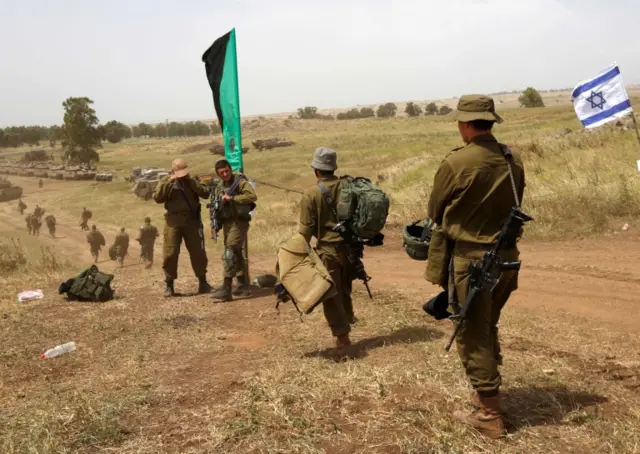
{"x": 140, "y": 60}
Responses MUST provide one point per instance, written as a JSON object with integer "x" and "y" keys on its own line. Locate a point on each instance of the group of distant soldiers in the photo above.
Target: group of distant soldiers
{"x": 147, "y": 236}
{"x": 34, "y": 220}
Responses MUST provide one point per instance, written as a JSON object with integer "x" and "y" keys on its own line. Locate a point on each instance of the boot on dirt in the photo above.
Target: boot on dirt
{"x": 168, "y": 289}
{"x": 223, "y": 293}
{"x": 203, "y": 285}
{"x": 487, "y": 419}
{"x": 242, "y": 289}
{"x": 343, "y": 342}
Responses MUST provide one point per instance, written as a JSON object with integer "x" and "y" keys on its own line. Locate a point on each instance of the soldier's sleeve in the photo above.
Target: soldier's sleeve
{"x": 200, "y": 189}
{"x": 443, "y": 188}
{"x": 307, "y": 224}
{"x": 160, "y": 194}
{"x": 246, "y": 193}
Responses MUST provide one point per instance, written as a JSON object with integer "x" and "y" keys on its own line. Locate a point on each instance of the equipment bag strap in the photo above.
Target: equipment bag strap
{"x": 184, "y": 196}
{"x": 508, "y": 156}
{"x": 328, "y": 198}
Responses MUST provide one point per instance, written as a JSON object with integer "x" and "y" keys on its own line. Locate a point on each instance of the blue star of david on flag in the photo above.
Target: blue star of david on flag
{"x": 597, "y": 100}
{"x": 601, "y": 99}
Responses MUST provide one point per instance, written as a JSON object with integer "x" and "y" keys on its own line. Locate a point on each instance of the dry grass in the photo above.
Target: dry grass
{"x": 182, "y": 375}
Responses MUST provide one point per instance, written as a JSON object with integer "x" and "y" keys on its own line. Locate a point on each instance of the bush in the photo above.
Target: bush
{"x": 413, "y": 110}
{"x": 387, "y": 110}
{"x": 445, "y": 110}
{"x": 431, "y": 109}
{"x": 531, "y": 98}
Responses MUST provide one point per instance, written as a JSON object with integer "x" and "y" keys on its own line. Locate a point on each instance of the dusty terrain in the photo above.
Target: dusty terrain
{"x": 186, "y": 375}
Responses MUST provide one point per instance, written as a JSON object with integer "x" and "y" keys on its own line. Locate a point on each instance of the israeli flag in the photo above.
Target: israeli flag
{"x": 602, "y": 99}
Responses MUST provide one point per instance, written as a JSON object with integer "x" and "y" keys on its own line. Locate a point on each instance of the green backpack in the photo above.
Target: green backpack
{"x": 90, "y": 285}
{"x": 362, "y": 207}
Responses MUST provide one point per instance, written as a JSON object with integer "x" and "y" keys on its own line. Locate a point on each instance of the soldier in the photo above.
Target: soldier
{"x": 147, "y": 239}
{"x": 21, "y": 206}
{"x": 40, "y": 183}
{"x": 317, "y": 219}
{"x": 35, "y": 225}
{"x": 51, "y": 225}
{"x": 96, "y": 241}
{"x": 38, "y": 212}
{"x": 471, "y": 197}
{"x": 28, "y": 220}
{"x": 86, "y": 215}
{"x": 237, "y": 199}
{"x": 179, "y": 193}
{"x": 122, "y": 245}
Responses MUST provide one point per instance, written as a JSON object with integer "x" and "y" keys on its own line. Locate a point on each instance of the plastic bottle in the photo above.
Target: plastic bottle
{"x": 59, "y": 350}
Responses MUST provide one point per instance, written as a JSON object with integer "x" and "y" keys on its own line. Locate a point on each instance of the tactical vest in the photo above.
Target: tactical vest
{"x": 90, "y": 285}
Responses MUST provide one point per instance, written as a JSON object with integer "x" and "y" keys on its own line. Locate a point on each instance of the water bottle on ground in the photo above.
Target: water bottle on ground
{"x": 59, "y": 350}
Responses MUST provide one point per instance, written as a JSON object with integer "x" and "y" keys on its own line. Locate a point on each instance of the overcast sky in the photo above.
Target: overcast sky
{"x": 140, "y": 60}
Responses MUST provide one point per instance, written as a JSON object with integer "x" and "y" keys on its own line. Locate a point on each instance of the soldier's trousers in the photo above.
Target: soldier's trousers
{"x": 337, "y": 310}
{"x": 234, "y": 233}
{"x": 477, "y": 341}
{"x": 146, "y": 252}
{"x": 175, "y": 230}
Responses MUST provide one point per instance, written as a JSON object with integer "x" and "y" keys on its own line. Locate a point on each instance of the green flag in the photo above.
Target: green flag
{"x": 221, "y": 65}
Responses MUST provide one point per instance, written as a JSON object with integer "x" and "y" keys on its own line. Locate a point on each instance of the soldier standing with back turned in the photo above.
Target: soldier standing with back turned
{"x": 472, "y": 196}
{"x": 317, "y": 219}
{"x": 96, "y": 241}
{"x": 233, "y": 214}
{"x": 180, "y": 195}
{"x": 147, "y": 239}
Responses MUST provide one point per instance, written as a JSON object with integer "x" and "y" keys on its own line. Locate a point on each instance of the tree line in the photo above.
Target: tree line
{"x": 386, "y": 110}
{"x": 112, "y": 132}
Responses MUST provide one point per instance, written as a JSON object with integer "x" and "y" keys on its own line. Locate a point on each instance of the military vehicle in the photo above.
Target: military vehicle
{"x": 104, "y": 177}
{"x": 10, "y": 193}
{"x": 219, "y": 149}
{"x": 268, "y": 144}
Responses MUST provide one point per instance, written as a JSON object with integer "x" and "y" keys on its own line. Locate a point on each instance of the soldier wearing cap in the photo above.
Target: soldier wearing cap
{"x": 317, "y": 219}
{"x": 180, "y": 195}
{"x": 147, "y": 239}
{"x": 471, "y": 197}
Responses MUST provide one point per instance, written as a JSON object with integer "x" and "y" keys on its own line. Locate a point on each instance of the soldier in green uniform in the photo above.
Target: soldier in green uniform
{"x": 234, "y": 217}
{"x": 28, "y": 221}
{"x": 96, "y": 241}
{"x": 51, "y": 225}
{"x": 121, "y": 244}
{"x": 86, "y": 215}
{"x": 471, "y": 198}
{"x": 21, "y": 206}
{"x": 317, "y": 219}
{"x": 180, "y": 195}
{"x": 35, "y": 225}
{"x": 147, "y": 239}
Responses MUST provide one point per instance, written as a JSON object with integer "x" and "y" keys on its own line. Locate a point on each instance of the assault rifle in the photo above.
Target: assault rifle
{"x": 355, "y": 253}
{"x": 214, "y": 205}
{"x": 484, "y": 275}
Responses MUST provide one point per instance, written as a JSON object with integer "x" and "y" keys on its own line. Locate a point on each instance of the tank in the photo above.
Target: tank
{"x": 11, "y": 193}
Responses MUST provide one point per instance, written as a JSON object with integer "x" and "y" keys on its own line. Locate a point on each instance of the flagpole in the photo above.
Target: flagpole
{"x": 635, "y": 125}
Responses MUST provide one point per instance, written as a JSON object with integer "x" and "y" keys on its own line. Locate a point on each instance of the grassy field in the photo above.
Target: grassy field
{"x": 578, "y": 183}
{"x": 184, "y": 376}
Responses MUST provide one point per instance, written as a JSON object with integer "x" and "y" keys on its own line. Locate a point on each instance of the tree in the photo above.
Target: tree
{"x": 176, "y": 129}
{"x": 116, "y": 131}
{"x": 431, "y": 109}
{"x": 161, "y": 130}
{"x": 308, "y": 113}
{"x": 215, "y": 128}
{"x": 445, "y": 110}
{"x": 80, "y": 133}
{"x": 367, "y": 112}
{"x": 413, "y": 110}
{"x": 531, "y": 98}
{"x": 55, "y": 134}
{"x": 386, "y": 110}
{"x": 144, "y": 129}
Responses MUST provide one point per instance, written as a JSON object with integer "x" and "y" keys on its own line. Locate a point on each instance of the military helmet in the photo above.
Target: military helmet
{"x": 416, "y": 240}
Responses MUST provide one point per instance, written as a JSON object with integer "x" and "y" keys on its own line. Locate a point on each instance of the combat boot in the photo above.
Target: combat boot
{"x": 203, "y": 285}
{"x": 343, "y": 342}
{"x": 168, "y": 289}
{"x": 242, "y": 289}
{"x": 487, "y": 419}
{"x": 224, "y": 292}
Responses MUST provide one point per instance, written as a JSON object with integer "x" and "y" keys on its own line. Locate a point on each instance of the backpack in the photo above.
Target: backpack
{"x": 362, "y": 206}
{"x": 90, "y": 285}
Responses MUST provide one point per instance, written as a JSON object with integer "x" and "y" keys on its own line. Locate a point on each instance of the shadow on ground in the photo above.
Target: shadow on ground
{"x": 537, "y": 406}
{"x": 408, "y": 335}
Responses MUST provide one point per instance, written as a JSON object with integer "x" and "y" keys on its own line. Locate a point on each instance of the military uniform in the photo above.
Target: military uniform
{"x": 96, "y": 241}
{"x": 147, "y": 238}
{"x": 51, "y": 224}
{"x": 35, "y": 225}
{"x": 22, "y": 206}
{"x": 121, "y": 244}
{"x": 86, "y": 215}
{"x": 28, "y": 221}
{"x": 180, "y": 197}
{"x": 234, "y": 218}
{"x": 472, "y": 196}
{"x": 317, "y": 219}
